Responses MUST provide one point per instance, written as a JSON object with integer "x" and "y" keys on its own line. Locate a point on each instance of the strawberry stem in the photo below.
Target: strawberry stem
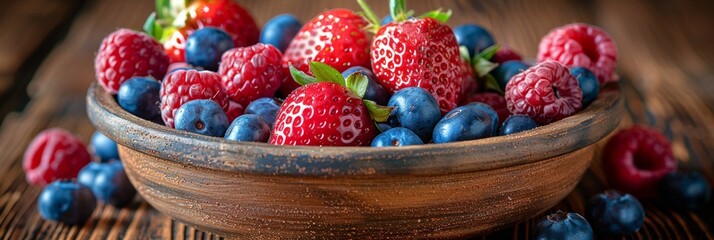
{"x": 398, "y": 9}
{"x": 368, "y": 14}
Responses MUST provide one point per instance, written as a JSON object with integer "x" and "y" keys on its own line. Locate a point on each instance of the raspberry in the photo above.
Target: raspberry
{"x": 252, "y": 72}
{"x": 505, "y": 54}
{"x": 182, "y": 86}
{"x": 497, "y": 102}
{"x": 546, "y": 92}
{"x": 582, "y": 45}
{"x": 125, "y": 54}
{"x": 234, "y": 110}
{"x": 54, "y": 154}
{"x": 636, "y": 159}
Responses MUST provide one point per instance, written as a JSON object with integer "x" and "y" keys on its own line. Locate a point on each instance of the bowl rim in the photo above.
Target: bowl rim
{"x": 586, "y": 127}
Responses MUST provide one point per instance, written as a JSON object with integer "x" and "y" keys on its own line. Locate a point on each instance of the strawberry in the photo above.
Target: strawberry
{"x": 419, "y": 52}
{"x": 335, "y": 37}
{"x": 327, "y": 111}
{"x": 174, "y": 21}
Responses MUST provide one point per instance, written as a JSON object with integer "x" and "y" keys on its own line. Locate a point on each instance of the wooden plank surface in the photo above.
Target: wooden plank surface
{"x": 667, "y": 63}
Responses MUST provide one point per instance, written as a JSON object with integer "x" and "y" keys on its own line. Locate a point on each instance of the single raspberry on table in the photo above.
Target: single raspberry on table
{"x": 182, "y": 86}
{"x": 54, "y": 154}
{"x": 546, "y": 92}
{"x": 252, "y": 72}
{"x": 636, "y": 159}
{"x": 581, "y": 45}
{"x": 125, "y": 54}
{"x": 496, "y": 101}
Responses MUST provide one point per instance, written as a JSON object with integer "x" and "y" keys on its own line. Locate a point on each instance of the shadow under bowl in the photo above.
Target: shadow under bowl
{"x": 258, "y": 190}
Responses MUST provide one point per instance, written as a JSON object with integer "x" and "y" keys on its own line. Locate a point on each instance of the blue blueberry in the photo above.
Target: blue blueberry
{"x": 506, "y": 70}
{"x": 561, "y": 225}
{"x": 469, "y": 122}
{"x": 395, "y": 137}
{"x": 266, "y": 108}
{"x": 685, "y": 191}
{"x": 203, "y": 116}
{"x": 614, "y": 213}
{"x": 415, "y": 109}
{"x": 383, "y": 127}
{"x": 280, "y": 30}
{"x": 140, "y": 96}
{"x": 108, "y": 182}
{"x": 205, "y": 46}
{"x": 103, "y": 147}
{"x": 66, "y": 201}
{"x": 588, "y": 83}
{"x": 248, "y": 128}
{"x": 516, "y": 124}
{"x": 388, "y": 19}
{"x": 473, "y": 37}
{"x": 375, "y": 91}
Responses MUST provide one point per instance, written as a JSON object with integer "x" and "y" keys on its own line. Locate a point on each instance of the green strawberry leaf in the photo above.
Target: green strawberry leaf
{"x": 300, "y": 77}
{"x": 489, "y": 52}
{"x": 483, "y": 66}
{"x": 151, "y": 27}
{"x": 464, "y": 51}
{"x": 438, "y": 15}
{"x": 377, "y": 112}
{"x": 369, "y": 15}
{"x": 357, "y": 82}
{"x": 325, "y": 73}
{"x": 491, "y": 83}
{"x": 398, "y": 10}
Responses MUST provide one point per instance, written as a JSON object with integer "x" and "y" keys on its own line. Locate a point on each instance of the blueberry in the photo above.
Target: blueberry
{"x": 398, "y": 136}
{"x": 685, "y": 190}
{"x": 612, "y": 213}
{"x": 415, "y": 109}
{"x": 388, "y": 19}
{"x": 266, "y": 108}
{"x": 140, "y": 96}
{"x": 469, "y": 122}
{"x": 561, "y": 225}
{"x": 280, "y": 30}
{"x": 66, "y": 201}
{"x": 506, "y": 70}
{"x": 203, "y": 117}
{"x": 205, "y": 46}
{"x": 473, "y": 37}
{"x": 375, "y": 91}
{"x": 383, "y": 127}
{"x": 516, "y": 124}
{"x": 103, "y": 147}
{"x": 248, "y": 128}
{"x": 108, "y": 182}
{"x": 588, "y": 83}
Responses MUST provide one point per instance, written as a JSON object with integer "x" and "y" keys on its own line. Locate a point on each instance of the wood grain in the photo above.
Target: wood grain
{"x": 667, "y": 62}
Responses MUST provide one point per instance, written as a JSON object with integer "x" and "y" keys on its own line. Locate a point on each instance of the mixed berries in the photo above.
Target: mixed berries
{"x": 348, "y": 79}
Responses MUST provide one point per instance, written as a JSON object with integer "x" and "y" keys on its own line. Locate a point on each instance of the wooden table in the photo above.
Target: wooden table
{"x": 667, "y": 63}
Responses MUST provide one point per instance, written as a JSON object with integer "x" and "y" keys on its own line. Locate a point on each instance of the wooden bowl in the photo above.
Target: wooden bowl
{"x": 258, "y": 190}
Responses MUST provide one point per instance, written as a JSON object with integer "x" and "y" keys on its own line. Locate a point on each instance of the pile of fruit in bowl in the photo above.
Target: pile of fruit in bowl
{"x": 355, "y": 126}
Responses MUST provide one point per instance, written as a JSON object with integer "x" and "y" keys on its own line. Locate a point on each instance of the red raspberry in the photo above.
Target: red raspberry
{"x": 234, "y": 110}
{"x": 635, "y": 160}
{"x": 505, "y": 54}
{"x": 496, "y": 101}
{"x": 54, "y": 154}
{"x": 582, "y": 45}
{"x": 125, "y": 54}
{"x": 252, "y": 72}
{"x": 546, "y": 92}
{"x": 182, "y": 86}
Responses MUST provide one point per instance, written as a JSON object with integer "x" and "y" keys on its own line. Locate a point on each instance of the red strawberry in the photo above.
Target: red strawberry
{"x": 335, "y": 37}
{"x": 181, "y": 86}
{"x": 327, "y": 111}
{"x": 418, "y": 53}
{"x": 252, "y": 72}
{"x": 223, "y": 14}
{"x": 125, "y": 54}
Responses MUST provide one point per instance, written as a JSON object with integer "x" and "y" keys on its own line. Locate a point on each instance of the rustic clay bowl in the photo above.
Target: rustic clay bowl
{"x": 257, "y": 190}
